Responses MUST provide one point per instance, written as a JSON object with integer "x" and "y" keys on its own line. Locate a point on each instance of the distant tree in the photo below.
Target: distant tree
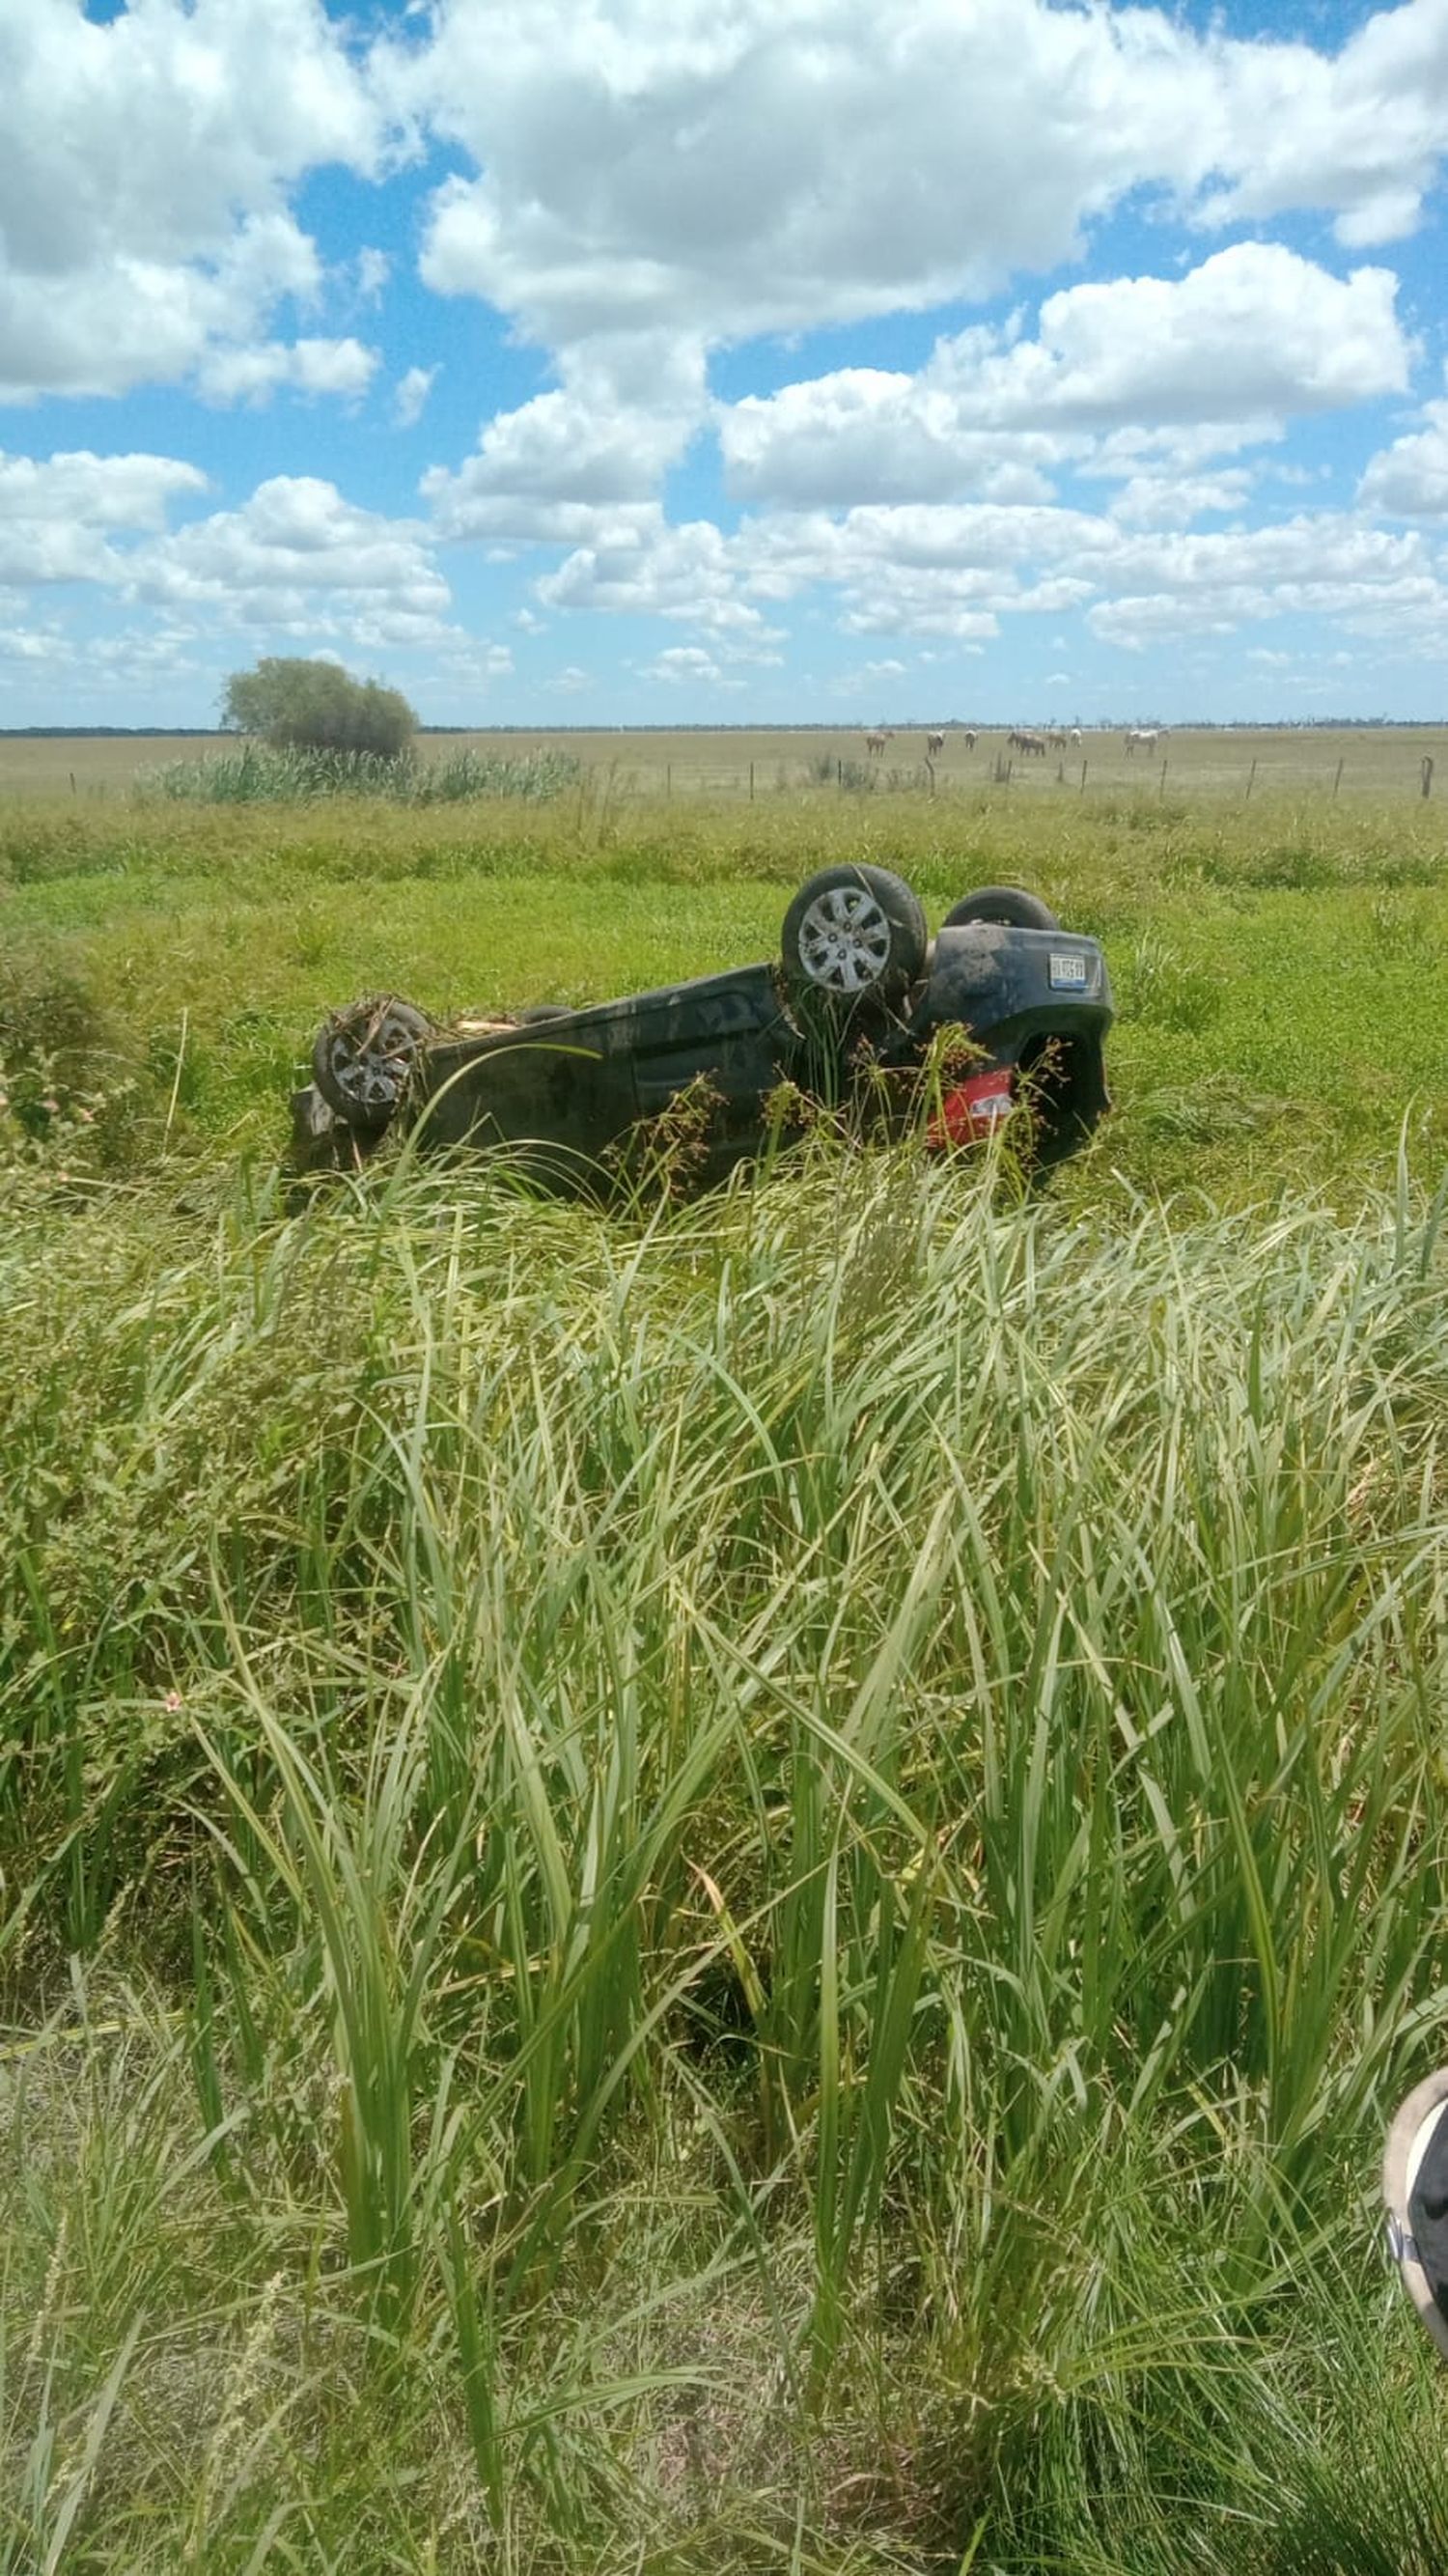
{"x": 317, "y": 706}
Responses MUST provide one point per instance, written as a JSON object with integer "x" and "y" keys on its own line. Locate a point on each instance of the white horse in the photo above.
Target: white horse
{"x": 1144, "y": 738}
{"x": 934, "y": 745}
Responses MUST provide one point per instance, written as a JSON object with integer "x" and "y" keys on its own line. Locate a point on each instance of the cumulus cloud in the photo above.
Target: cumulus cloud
{"x": 1255, "y": 331}
{"x": 299, "y": 558}
{"x": 1409, "y": 480}
{"x": 626, "y": 409}
{"x": 1361, "y": 132}
{"x": 145, "y": 166}
{"x": 955, "y": 574}
{"x": 94, "y": 491}
{"x": 410, "y": 399}
{"x": 253, "y": 375}
{"x": 1175, "y": 500}
{"x": 681, "y": 663}
{"x": 59, "y": 514}
{"x": 776, "y": 166}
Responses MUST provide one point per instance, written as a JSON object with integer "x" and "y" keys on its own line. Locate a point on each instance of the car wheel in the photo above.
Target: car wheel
{"x": 363, "y": 1059}
{"x": 854, "y": 930}
{"x": 1006, "y": 905}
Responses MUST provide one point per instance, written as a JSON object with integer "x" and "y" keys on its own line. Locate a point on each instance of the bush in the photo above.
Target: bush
{"x": 293, "y": 775}
{"x": 317, "y": 706}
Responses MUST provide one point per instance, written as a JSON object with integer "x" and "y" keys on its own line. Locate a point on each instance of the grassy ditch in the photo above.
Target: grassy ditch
{"x": 741, "y": 1888}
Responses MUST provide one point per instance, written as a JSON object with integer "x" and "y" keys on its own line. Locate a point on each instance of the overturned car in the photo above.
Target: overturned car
{"x": 1002, "y": 1015}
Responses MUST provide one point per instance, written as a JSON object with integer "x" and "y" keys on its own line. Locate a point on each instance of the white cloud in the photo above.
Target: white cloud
{"x": 57, "y": 514}
{"x": 636, "y": 562}
{"x": 1254, "y": 331}
{"x": 94, "y": 491}
{"x": 626, "y": 409}
{"x": 1174, "y": 500}
{"x": 956, "y": 573}
{"x": 681, "y": 663}
{"x": 1362, "y": 132}
{"x": 1329, "y": 565}
{"x": 410, "y": 398}
{"x": 144, "y": 170}
{"x": 1410, "y": 479}
{"x": 253, "y": 375}
{"x": 778, "y": 165}
{"x": 298, "y": 558}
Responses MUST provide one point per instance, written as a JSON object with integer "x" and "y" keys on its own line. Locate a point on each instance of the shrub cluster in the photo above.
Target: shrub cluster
{"x": 261, "y": 774}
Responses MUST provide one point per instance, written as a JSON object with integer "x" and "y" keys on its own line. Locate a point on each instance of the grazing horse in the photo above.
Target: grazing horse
{"x": 934, "y": 745}
{"x": 875, "y": 743}
{"x": 1075, "y": 737}
{"x": 1144, "y": 738}
{"x": 1057, "y": 741}
{"x": 968, "y": 739}
{"x": 1031, "y": 746}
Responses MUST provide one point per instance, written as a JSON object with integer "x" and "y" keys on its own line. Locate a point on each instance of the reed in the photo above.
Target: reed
{"x": 745, "y": 1883}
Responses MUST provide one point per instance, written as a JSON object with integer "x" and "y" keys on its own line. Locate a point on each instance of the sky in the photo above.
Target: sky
{"x": 742, "y": 362}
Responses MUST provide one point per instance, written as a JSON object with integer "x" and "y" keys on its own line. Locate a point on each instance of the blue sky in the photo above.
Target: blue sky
{"x": 726, "y": 361}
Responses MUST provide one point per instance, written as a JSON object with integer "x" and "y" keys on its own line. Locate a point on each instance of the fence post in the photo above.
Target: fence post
{"x": 1337, "y": 782}
{"x": 751, "y": 782}
{"x": 1083, "y": 777}
{"x": 1427, "y": 773}
{"x": 1251, "y": 774}
{"x": 839, "y": 773}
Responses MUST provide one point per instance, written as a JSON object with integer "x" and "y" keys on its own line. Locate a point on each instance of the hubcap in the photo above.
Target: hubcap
{"x": 371, "y": 1053}
{"x": 845, "y": 940}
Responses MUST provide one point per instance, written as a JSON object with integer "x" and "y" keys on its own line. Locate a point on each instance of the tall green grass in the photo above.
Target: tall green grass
{"x": 744, "y": 1887}
{"x": 262, "y": 774}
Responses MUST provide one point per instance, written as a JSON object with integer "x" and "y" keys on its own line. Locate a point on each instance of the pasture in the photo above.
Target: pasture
{"x": 1364, "y": 763}
{"x": 742, "y": 1885}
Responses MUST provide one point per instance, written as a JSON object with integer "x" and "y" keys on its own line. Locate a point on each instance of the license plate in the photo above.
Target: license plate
{"x": 1068, "y": 974}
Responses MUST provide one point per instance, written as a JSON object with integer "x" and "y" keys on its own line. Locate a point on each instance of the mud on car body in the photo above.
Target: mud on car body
{"x": 1003, "y": 1013}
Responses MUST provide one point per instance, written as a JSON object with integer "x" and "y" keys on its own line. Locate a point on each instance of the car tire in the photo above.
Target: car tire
{"x": 854, "y": 931}
{"x": 1008, "y": 906}
{"x": 363, "y": 1059}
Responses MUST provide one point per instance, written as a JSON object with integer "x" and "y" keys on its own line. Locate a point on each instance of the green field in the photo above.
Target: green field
{"x": 1381, "y": 763}
{"x": 740, "y": 1886}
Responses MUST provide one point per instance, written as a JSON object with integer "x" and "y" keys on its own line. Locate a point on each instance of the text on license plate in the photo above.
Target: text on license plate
{"x": 1068, "y": 974}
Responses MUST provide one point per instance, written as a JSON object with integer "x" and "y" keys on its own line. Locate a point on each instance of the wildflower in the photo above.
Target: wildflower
{"x": 172, "y": 1702}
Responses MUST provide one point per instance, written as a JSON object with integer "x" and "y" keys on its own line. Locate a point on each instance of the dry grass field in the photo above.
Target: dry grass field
{"x": 1378, "y": 762}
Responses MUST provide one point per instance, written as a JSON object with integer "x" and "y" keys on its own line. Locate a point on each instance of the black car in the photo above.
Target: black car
{"x": 863, "y": 1014}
